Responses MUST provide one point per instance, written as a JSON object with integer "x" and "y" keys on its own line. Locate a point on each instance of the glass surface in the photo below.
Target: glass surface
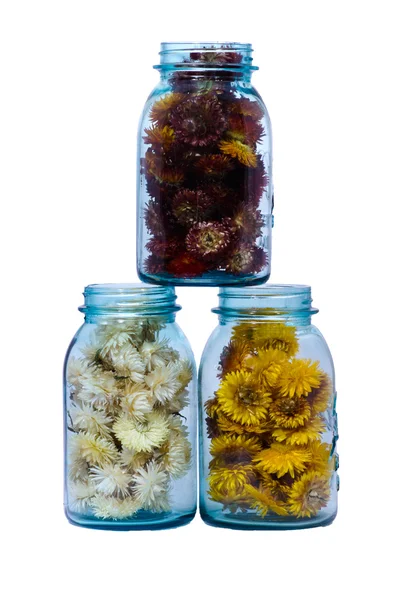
{"x": 268, "y": 425}
{"x": 204, "y": 196}
{"x": 130, "y": 412}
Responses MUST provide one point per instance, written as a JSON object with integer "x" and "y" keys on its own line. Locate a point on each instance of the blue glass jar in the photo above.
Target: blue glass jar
{"x": 130, "y": 412}
{"x": 204, "y": 196}
{"x": 268, "y": 426}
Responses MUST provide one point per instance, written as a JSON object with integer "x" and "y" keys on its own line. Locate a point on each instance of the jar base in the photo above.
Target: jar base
{"x": 214, "y": 279}
{"x": 250, "y": 521}
{"x": 143, "y": 521}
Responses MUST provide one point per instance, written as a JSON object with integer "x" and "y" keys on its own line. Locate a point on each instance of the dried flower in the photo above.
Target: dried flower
{"x": 198, "y": 120}
{"x": 159, "y": 136}
{"x": 151, "y": 486}
{"x": 244, "y": 153}
{"x": 160, "y": 110}
{"x": 141, "y": 436}
{"x": 189, "y": 206}
{"x": 208, "y": 239}
{"x": 111, "y": 480}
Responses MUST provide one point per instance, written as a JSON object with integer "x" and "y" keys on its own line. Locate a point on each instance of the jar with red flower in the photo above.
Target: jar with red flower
{"x": 205, "y": 196}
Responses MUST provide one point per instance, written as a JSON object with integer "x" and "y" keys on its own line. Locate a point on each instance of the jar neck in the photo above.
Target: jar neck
{"x": 206, "y": 60}
{"x": 278, "y": 303}
{"x": 122, "y": 302}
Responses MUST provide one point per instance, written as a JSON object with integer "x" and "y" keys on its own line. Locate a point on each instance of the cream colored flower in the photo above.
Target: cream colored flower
{"x": 93, "y": 449}
{"x": 176, "y": 455}
{"x": 141, "y": 436}
{"x": 151, "y": 486}
{"x": 131, "y": 459}
{"x": 87, "y": 418}
{"x": 76, "y": 370}
{"x": 178, "y": 402}
{"x": 157, "y": 354}
{"x": 163, "y": 382}
{"x": 112, "y": 336}
{"x": 100, "y": 390}
{"x": 111, "y": 480}
{"x": 80, "y": 495}
{"x": 136, "y": 400}
{"x": 127, "y": 362}
{"x": 185, "y": 373}
{"x": 114, "y": 508}
{"x": 77, "y": 468}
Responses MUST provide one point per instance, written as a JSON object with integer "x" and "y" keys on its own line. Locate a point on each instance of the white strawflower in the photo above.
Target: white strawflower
{"x": 77, "y": 468}
{"x": 114, "y": 508}
{"x": 80, "y": 495}
{"x": 185, "y": 373}
{"x": 111, "y": 480}
{"x": 115, "y": 335}
{"x": 175, "y": 455}
{"x": 93, "y": 449}
{"x": 141, "y": 436}
{"x": 87, "y": 418}
{"x": 151, "y": 486}
{"x": 76, "y": 370}
{"x": 177, "y": 426}
{"x": 136, "y": 400}
{"x": 163, "y": 382}
{"x": 131, "y": 459}
{"x": 100, "y": 390}
{"x": 178, "y": 402}
{"x": 157, "y": 354}
{"x": 127, "y": 362}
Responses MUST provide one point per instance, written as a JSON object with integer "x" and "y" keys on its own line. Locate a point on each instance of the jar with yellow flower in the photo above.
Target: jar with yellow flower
{"x": 205, "y": 170}
{"x": 130, "y": 412}
{"x": 268, "y": 426}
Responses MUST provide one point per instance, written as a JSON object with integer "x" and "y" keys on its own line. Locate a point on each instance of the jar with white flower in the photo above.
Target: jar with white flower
{"x": 130, "y": 412}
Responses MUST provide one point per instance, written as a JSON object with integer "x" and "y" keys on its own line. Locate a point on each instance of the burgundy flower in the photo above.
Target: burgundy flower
{"x": 246, "y": 259}
{"x": 155, "y": 218}
{"x": 154, "y": 264}
{"x": 219, "y": 58}
{"x": 190, "y": 206}
{"x": 186, "y": 265}
{"x": 244, "y": 129}
{"x": 248, "y": 223}
{"x": 214, "y": 165}
{"x": 209, "y": 239}
{"x": 164, "y": 248}
{"x": 198, "y": 120}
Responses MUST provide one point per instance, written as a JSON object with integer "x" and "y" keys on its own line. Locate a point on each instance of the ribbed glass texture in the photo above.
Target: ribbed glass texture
{"x": 130, "y": 412}
{"x": 268, "y": 424}
{"x": 204, "y": 195}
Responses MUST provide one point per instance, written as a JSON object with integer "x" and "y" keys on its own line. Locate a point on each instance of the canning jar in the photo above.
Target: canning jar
{"x": 268, "y": 422}
{"x": 204, "y": 196}
{"x": 130, "y": 412}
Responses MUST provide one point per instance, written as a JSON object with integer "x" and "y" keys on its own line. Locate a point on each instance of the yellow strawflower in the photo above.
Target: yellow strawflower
{"x": 281, "y": 459}
{"x": 233, "y": 450}
{"x": 242, "y": 399}
{"x": 299, "y": 377}
{"x": 263, "y": 501}
{"x": 310, "y": 432}
{"x": 309, "y": 494}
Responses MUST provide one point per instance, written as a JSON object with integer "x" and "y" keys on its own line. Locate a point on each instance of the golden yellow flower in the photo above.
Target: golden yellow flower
{"x": 162, "y": 136}
{"x": 320, "y": 398}
{"x": 234, "y": 356}
{"x": 242, "y": 399}
{"x": 310, "y": 432}
{"x": 267, "y": 366}
{"x": 263, "y": 501}
{"x": 299, "y": 377}
{"x": 281, "y": 459}
{"x": 320, "y": 457}
{"x": 289, "y": 413}
{"x": 269, "y": 335}
{"x": 231, "y": 501}
{"x": 226, "y": 425}
{"x": 231, "y": 480}
{"x": 233, "y": 450}
{"x": 161, "y": 108}
{"x": 242, "y": 152}
{"x": 309, "y": 494}
{"x": 212, "y": 407}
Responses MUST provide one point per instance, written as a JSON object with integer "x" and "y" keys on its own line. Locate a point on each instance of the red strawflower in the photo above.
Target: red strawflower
{"x": 154, "y": 264}
{"x": 246, "y": 259}
{"x": 214, "y": 165}
{"x": 248, "y": 108}
{"x": 247, "y": 223}
{"x": 186, "y": 265}
{"x": 190, "y": 206}
{"x": 209, "y": 239}
{"x": 198, "y": 120}
{"x": 244, "y": 129}
{"x": 164, "y": 248}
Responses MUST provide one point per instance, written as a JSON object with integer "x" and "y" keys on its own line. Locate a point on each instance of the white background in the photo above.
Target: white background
{"x": 74, "y": 76}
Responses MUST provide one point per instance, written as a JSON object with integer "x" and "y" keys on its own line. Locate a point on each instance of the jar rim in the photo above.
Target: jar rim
{"x": 265, "y": 300}
{"x": 134, "y": 297}
{"x": 180, "y": 56}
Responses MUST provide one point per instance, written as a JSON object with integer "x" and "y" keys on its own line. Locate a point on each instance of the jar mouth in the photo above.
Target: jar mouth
{"x": 103, "y": 298}
{"x": 266, "y": 300}
{"x": 205, "y": 55}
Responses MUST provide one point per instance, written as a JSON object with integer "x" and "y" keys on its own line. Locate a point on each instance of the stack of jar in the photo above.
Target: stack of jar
{"x": 267, "y": 420}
